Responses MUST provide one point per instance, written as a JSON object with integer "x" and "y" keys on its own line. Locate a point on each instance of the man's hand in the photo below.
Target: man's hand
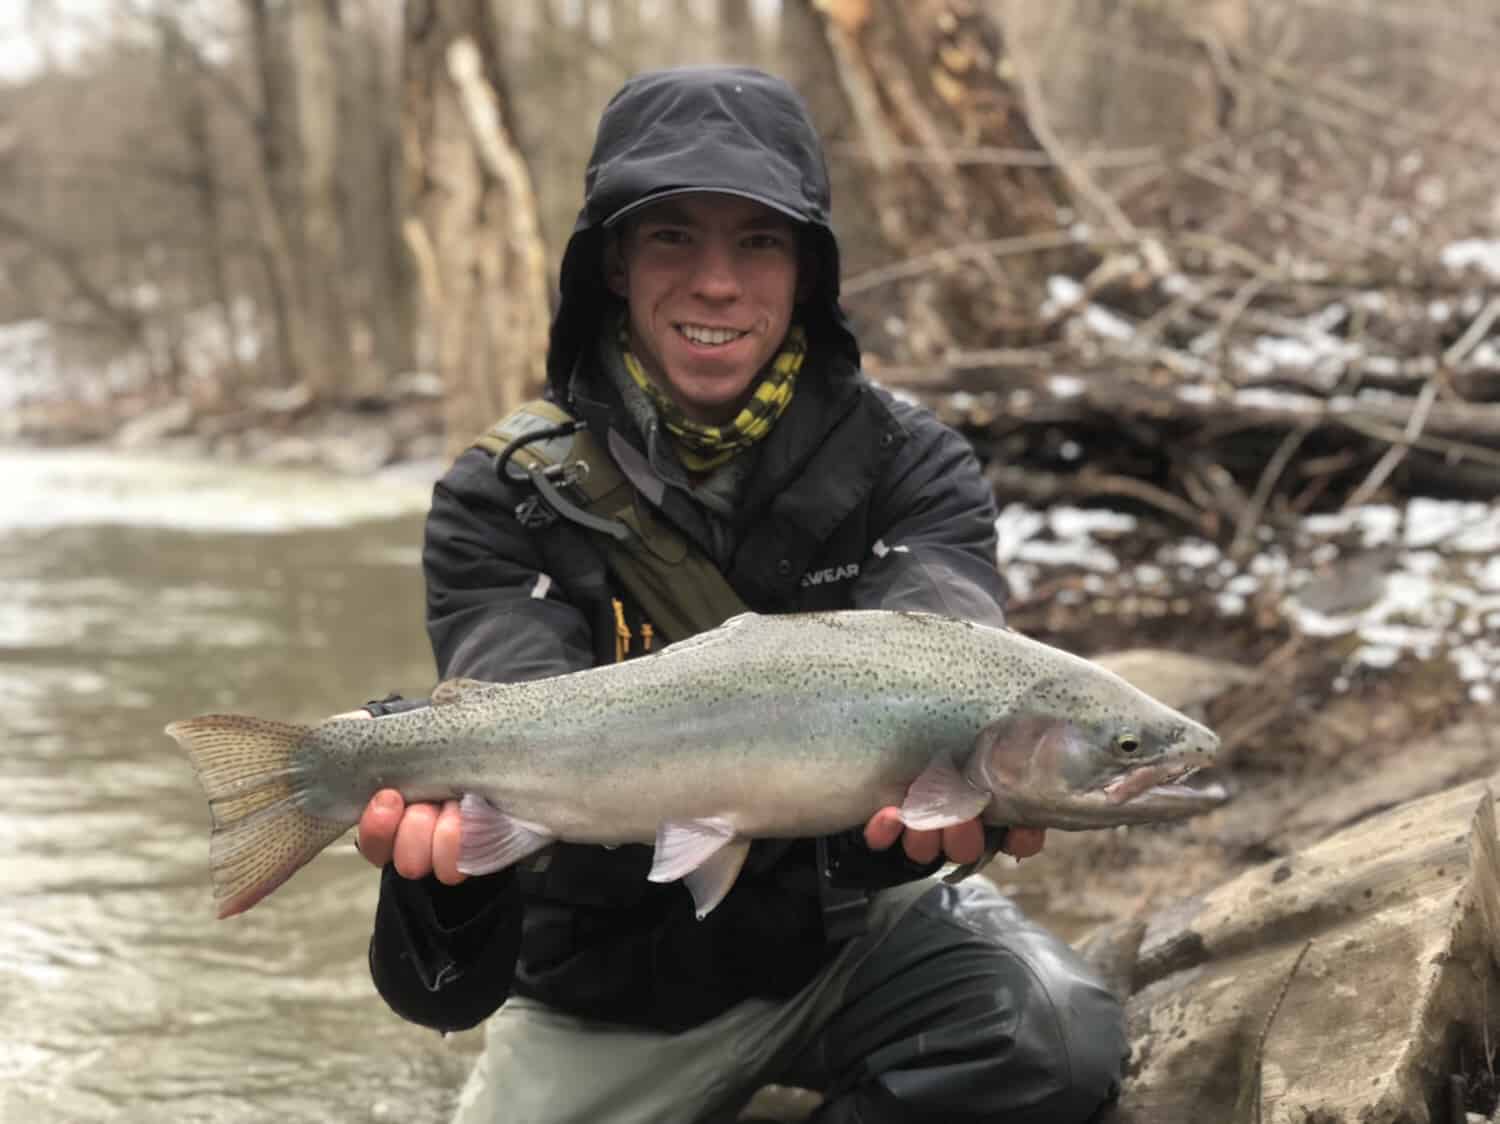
{"x": 961, "y": 843}
{"x": 421, "y": 839}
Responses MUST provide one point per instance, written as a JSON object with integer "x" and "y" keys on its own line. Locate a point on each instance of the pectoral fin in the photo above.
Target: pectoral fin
{"x": 704, "y": 853}
{"x": 941, "y": 797}
{"x": 491, "y": 840}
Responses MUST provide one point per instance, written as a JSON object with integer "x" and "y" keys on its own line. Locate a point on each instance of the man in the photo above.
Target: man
{"x": 700, "y": 340}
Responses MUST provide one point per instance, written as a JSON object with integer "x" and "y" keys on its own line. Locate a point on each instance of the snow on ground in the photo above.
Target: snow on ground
{"x": 1420, "y": 581}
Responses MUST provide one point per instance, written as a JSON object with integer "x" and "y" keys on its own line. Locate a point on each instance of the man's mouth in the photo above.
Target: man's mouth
{"x": 705, "y": 336}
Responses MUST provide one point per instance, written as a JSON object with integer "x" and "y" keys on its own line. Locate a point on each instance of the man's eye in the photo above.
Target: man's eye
{"x": 763, "y": 241}
{"x": 668, "y": 236}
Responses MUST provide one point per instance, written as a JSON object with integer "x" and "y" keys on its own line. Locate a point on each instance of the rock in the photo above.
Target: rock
{"x": 1334, "y": 986}
{"x": 1302, "y": 817}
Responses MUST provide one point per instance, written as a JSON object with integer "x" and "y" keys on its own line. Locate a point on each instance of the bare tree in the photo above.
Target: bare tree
{"x": 932, "y": 92}
{"x": 274, "y": 198}
{"x": 183, "y": 72}
{"x": 473, "y": 228}
{"x": 333, "y": 373}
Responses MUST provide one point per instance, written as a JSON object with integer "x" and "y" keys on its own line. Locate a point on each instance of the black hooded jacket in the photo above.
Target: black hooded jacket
{"x": 856, "y": 500}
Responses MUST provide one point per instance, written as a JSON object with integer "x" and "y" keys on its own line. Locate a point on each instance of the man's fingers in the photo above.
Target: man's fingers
{"x": 922, "y": 846}
{"x": 963, "y": 842}
{"x": 446, "y": 837}
{"x": 883, "y": 829}
{"x": 377, "y": 826}
{"x": 413, "y": 852}
{"x": 1023, "y": 842}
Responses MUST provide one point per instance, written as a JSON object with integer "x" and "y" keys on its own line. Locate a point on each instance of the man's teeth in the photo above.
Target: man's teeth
{"x": 709, "y": 335}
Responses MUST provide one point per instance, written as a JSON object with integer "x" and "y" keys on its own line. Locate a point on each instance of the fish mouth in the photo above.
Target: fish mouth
{"x": 1159, "y": 781}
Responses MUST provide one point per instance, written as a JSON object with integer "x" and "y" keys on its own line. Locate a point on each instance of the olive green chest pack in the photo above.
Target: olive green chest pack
{"x": 575, "y": 479}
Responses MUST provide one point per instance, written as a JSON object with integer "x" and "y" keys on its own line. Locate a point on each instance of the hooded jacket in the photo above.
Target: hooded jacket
{"x": 855, "y": 500}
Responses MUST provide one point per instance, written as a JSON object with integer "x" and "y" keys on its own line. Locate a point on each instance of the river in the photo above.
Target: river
{"x": 136, "y": 591}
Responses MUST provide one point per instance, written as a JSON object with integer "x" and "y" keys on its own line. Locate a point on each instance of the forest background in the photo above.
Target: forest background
{"x": 235, "y": 220}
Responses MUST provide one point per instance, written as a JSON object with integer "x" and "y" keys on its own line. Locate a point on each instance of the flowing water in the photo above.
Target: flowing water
{"x": 132, "y": 592}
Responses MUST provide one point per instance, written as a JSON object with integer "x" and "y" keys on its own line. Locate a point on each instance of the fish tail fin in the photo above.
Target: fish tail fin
{"x": 261, "y": 832}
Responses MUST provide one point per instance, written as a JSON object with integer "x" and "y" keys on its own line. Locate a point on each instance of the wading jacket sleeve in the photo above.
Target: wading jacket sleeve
{"x": 859, "y": 501}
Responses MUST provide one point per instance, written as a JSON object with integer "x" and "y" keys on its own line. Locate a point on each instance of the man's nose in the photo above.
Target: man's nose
{"x": 717, "y": 277}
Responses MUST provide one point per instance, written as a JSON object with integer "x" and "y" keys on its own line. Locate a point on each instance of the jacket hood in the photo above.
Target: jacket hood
{"x": 712, "y": 128}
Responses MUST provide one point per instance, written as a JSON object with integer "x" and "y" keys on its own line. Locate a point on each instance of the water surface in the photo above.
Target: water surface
{"x": 136, "y": 591}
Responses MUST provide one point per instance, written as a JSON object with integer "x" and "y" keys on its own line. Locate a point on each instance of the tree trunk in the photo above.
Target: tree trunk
{"x": 473, "y": 223}
{"x": 939, "y": 123}
{"x": 395, "y": 298}
{"x": 333, "y": 374}
{"x": 271, "y": 199}
{"x": 183, "y": 72}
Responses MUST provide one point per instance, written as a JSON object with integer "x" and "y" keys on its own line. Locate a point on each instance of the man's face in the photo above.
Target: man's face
{"x": 711, "y": 280}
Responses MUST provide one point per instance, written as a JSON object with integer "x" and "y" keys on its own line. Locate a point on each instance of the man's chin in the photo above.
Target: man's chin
{"x": 711, "y": 401}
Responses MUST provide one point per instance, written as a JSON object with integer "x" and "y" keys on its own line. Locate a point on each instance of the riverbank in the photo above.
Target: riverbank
{"x": 285, "y": 428}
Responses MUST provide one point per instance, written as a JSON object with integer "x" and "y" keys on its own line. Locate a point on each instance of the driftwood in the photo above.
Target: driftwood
{"x": 1224, "y": 392}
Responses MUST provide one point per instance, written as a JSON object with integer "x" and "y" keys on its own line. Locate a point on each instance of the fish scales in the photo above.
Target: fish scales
{"x": 714, "y": 719}
{"x": 788, "y": 725}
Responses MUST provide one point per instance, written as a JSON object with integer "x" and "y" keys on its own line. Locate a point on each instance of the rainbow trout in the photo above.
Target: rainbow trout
{"x": 767, "y": 726}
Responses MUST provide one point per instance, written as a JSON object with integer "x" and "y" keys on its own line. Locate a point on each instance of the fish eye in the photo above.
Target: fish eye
{"x": 1127, "y": 742}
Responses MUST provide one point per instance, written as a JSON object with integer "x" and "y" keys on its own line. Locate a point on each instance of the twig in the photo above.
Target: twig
{"x": 1397, "y": 452}
{"x": 950, "y": 256}
{"x": 1265, "y": 1029}
{"x": 985, "y": 156}
{"x": 1473, "y": 334}
{"x": 1309, "y": 216}
{"x": 1250, "y": 517}
{"x": 1075, "y": 173}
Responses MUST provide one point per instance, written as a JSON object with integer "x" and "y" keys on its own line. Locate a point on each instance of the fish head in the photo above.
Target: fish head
{"x": 1085, "y": 746}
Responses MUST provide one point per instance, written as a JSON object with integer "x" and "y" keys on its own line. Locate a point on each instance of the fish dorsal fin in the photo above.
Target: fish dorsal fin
{"x": 724, "y": 633}
{"x": 452, "y": 690}
{"x": 491, "y": 840}
{"x": 941, "y": 797}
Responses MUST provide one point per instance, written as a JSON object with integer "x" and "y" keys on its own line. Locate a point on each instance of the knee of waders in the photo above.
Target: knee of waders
{"x": 1031, "y": 1035}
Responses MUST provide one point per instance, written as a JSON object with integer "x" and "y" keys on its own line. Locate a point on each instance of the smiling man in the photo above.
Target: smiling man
{"x": 709, "y": 280}
{"x": 700, "y": 341}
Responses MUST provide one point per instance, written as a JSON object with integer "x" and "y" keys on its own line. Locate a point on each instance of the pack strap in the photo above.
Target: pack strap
{"x": 675, "y": 585}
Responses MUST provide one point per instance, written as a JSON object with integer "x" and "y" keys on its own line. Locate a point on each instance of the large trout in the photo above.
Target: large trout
{"x": 768, "y": 726}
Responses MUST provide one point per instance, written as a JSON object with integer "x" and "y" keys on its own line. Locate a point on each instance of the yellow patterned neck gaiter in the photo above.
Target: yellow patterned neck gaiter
{"x": 705, "y": 447}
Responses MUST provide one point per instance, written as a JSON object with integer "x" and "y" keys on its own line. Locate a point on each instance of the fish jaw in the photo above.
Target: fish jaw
{"x": 1159, "y": 803}
{"x": 1138, "y": 782}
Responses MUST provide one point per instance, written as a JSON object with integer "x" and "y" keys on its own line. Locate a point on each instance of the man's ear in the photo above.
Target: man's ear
{"x": 615, "y": 275}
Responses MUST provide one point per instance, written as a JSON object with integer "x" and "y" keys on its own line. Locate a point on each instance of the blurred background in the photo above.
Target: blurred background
{"x": 1213, "y": 286}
